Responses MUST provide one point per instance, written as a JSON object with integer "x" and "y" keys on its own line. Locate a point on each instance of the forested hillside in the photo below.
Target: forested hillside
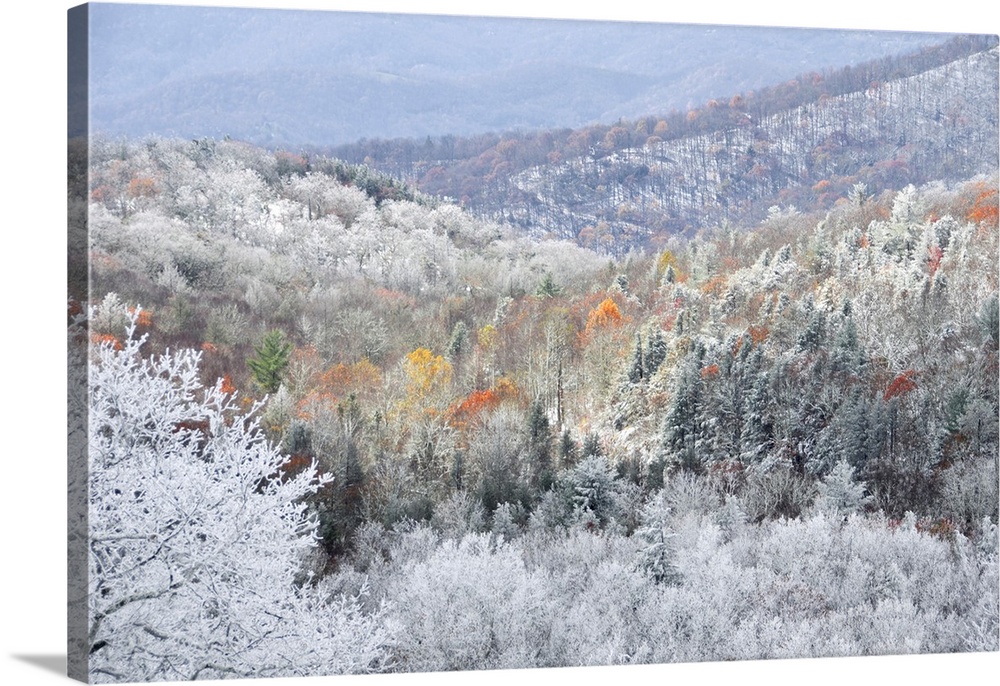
{"x": 505, "y": 451}
{"x": 914, "y": 118}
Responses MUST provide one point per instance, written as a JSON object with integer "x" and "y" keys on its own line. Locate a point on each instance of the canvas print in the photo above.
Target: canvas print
{"x": 413, "y": 343}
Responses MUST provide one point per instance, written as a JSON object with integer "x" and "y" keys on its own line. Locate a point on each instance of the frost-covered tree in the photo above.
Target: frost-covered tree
{"x": 840, "y": 493}
{"x": 989, "y": 321}
{"x": 656, "y": 353}
{"x": 657, "y": 554}
{"x": 684, "y": 424}
{"x": 198, "y": 538}
{"x": 591, "y": 488}
{"x": 471, "y": 604}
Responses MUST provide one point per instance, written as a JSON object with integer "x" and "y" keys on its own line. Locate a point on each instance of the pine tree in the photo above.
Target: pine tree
{"x": 459, "y": 339}
{"x": 755, "y": 432}
{"x": 656, "y": 557}
{"x": 271, "y": 359}
{"x": 621, "y": 283}
{"x": 656, "y": 353}
{"x": 989, "y": 322}
{"x": 539, "y": 448}
{"x": 591, "y": 445}
{"x": 847, "y": 355}
{"x": 636, "y": 367}
{"x": 591, "y": 488}
{"x": 840, "y": 493}
{"x": 568, "y": 449}
{"x": 811, "y": 338}
{"x": 548, "y": 287}
{"x": 683, "y": 426}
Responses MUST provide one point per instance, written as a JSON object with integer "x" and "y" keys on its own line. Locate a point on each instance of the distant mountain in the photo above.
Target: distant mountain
{"x": 290, "y": 78}
{"x": 806, "y": 142}
{"x": 937, "y": 125}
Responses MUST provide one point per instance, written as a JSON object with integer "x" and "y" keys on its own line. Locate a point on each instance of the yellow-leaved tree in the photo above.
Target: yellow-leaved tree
{"x": 427, "y": 373}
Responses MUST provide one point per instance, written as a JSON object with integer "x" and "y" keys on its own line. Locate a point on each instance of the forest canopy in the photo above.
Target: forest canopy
{"x": 512, "y": 432}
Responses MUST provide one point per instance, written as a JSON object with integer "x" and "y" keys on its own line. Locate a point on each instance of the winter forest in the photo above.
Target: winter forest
{"x": 336, "y": 424}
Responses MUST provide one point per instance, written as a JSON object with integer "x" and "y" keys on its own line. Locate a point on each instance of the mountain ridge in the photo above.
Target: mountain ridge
{"x": 152, "y": 66}
{"x": 804, "y": 142}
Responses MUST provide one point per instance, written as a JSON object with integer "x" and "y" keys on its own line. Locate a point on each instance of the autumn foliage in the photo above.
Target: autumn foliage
{"x": 985, "y": 207}
{"x": 901, "y": 385}
{"x": 605, "y": 316}
{"x": 466, "y": 411}
{"x": 227, "y": 385}
{"x": 342, "y": 379}
{"x": 144, "y": 318}
{"x": 338, "y": 383}
{"x": 426, "y": 372}
{"x": 759, "y": 334}
{"x": 473, "y": 404}
{"x": 102, "y": 338}
{"x": 142, "y": 187}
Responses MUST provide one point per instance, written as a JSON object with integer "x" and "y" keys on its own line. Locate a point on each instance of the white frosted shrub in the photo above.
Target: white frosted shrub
{"x": 470, "y": 605}
{"x": 458, "y": 515}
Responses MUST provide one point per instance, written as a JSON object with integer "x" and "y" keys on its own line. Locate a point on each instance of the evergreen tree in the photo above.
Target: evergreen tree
{"x": 539, "y": 448}
{"x": 840, "y": 493}
{"x": 636, "y": 367}
{"x": 989, "y": 322}
{"x": 656, "y": 353}
{"x": 655, "y": 468}
{"x": 568, "y": 449}
{"x": 847, "y": 353}
{"x": 755, "y": 432}
{"x": 457, "y": 472}
{"x": 298, "y": 440}
{"x": 591, "y": 446}
{"x": 656, "y": 557}
{"x": 811, "y": 338}
{"x": 271, "y": 359}
{"x": 548, "y": 287}
{"x": 621, "y": 283}
{"x": 681, "y": 323}
{"x": 683, "y": 427}
{"x": 459, "y": 339}
{"x": 855, "y": 434}
{"x": 591, "y": 488}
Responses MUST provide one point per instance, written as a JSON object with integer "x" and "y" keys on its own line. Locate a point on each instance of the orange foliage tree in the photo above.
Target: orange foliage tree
{"x": 337, "y": 383}
{"x": 709, "y": 372}
{"x": 934, "y": 255}
{"x": 607, "y": 315}
{"x": 101, "y": 338}
{"x": 144, "y": 318}
{"x": 985, "y": 207}
{"x": 466, "y": 411}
